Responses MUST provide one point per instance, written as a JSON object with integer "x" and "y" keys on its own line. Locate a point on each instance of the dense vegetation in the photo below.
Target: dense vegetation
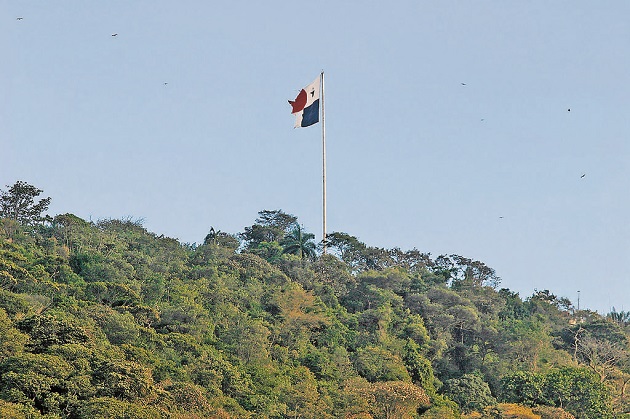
{"x": 109, "y": 320}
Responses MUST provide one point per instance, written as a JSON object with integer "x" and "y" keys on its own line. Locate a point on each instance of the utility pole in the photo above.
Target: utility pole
{"x": 578, "y": 300}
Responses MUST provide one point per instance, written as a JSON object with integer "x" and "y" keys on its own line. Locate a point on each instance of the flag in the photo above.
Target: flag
{"x": 306, "y": 105}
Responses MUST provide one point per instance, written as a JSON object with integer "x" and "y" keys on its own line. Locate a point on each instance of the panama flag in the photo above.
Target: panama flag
{"x": 306, "y": 105}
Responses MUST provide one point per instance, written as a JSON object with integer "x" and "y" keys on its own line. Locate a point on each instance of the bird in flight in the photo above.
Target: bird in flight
{"x": 463, "y": 84}
{"x": 583, "y": 175}
{"x": 569, "y": 110}
{"x": 19, "y": 18}
{"x": 114, "y": 34}
{"x": 165, "y": 83}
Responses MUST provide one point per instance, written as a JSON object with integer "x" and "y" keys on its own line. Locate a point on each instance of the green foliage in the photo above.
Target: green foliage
{"x": 189, "y": 399}
{"x": 470, "y": 392}
{"x": 333, "y": 274}
{"x": 221, "y": 239}
{"x": 119, "y": 328}
{"x": 270, "y": 251}
{"x": 524, "y": 387}
{"x": 376, "y": 364}
{"x": 441, "y": 412}
{"x": 299, "y": 243}
{"x": 270, "y": 226}
{"x": 419, "y": 368}
{"x": 40, "y": 381}
{"x": 577, "y": 390}
{"x": 111, "y": 408}
{"x": 14, "y": 304}
{"x": 12, "y": 341}
{"x": 301, "y": 396}
{"x": 389, "y": 399}
{"x": 10, "y": 410}
{"x": 107, "y": 319}
{"x": 122, "y": 379}
{"x": 18, "y": 203}
{"x": 46, "y": 330}
{"x": 14, "y": 272}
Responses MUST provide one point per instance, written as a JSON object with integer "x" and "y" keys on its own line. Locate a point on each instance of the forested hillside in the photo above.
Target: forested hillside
{"x": 108, "y": 320}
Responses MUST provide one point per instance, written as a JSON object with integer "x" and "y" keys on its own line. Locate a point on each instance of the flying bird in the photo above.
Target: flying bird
{"x": 19, "y": 18}
{"x": 569, "y": 110}
{"x": 165, "y": 83}
{"x": 114, "y": 34}
{"x": 463, "y": 84}
{"x": 583, "y": 175}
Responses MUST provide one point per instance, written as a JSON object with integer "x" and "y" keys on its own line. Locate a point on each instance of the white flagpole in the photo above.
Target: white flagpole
{"x": 323, "y": 166}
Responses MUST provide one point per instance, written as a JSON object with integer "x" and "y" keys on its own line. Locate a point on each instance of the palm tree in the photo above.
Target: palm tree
{"x": 622, "y": 318}
{"x": 297, "y": 242}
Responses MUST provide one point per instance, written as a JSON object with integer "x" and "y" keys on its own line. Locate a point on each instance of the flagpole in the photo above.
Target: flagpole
{"x": 323, "y": 167}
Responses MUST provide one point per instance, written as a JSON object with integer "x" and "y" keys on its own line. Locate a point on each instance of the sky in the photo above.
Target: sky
{"x": 494, "y": 130}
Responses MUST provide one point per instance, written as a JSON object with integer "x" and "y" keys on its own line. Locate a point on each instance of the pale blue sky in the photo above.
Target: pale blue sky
{"x": 415, "y": 158}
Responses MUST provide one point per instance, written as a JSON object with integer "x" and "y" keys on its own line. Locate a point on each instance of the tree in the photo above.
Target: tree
{"x": 17, "y": 411}
{"x": 394, "y": 279}
{"x": 419, "y": 368}
{"x": 18, "y": 203}
{"x": 602, "y": 356}
{"x": 360, "y": 257}
{"x": 270, "y": 251}
{"x": 47, "y": 330}
{"x": 413, "y": 260}
{"x": 220, "y": 238}
{"x": 109, "y": 407}
{"x": 297, "y": 242}
{"x": 301, "y": 396}
{"x": 470, "y": 392}
{"x": 376, "y": 364}
{"x": 523, "y": 387}
{"x": 578, "y": 391}
{"x": 601, "y": 345}
{"x": 271, "y": 226}
{"x": 12, "y": 273}
{"x": 548, "y": 412}
{"x": 464, "y": 272}
{"x": 189, "y": 397}
{"x": 509, "y": 410}
{"x": 123, "y": 380}
{"x": 442, "y": 412}
{"x": 622, "y": 318}
{"x": 398, "y": 399}
{"x": 11, "y": 340}
{"x": 348, "y": 247}
{"x": 526, "y": 342}
{"x": 334, "y": 273}
{"x": 38, "y": 380}
{"x": 384, "y": 400}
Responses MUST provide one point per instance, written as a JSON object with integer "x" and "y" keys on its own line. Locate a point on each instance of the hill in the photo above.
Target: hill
{"x": 108, "y": 320}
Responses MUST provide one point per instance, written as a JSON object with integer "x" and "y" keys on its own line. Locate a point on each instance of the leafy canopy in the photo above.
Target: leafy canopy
{"x": 18, "y": 203}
